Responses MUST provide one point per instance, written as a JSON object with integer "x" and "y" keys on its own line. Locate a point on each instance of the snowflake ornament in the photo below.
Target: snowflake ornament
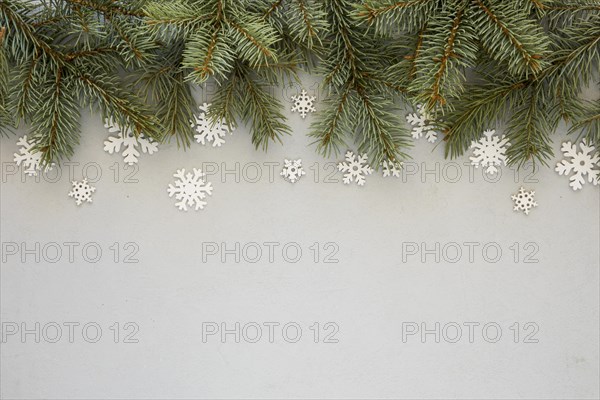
{"x": 190, "y": 189}
{"x": 30, "y": 159}
{"x": 490, "y": 151}
{"x": 303, "y": 103}
{"x": 422, "y": 123}
{"x": 391, "y": 168}
{"x": 292, "y": 170}
{"x": 209, "y": 131}
{"x": 355, "y": 168}
{"x": 82, "y": 191}
{"x": 129, "y": 141}
{"x": 524, "y": 201}
{"x": 580, "y": 164}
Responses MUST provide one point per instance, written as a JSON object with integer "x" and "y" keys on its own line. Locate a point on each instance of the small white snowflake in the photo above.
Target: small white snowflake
{"x": 190, "y": 189}
{"x": 524, "y": 201}
{"x": 490, "y": 151}
{"x": 82, "y": 191}
{"x": 209, "y": 131}
{"x": 391, "y": 168}
{"x": 292, "y": 170}
{"x": 581, "y": 164}
{"x": 303, "y": 103}
{"x": 30, "y": 159}
{"x": 355, "y": 168}
{"x": 423, "y": 124}
{"x": 127, "y": 139}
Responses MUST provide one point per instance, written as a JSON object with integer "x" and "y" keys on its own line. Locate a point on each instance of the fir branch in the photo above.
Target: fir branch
{"x": 485, "y": 105}
{"x": 386, "y": 15}
{"x": 448, "y": 49}
{"x": 272, "y": 9}
{"x": 511, "y": 37}
{"x": 108, "y": 7}
{"x": 359, "y": 103}
{"x": 103, "y": 92}
{"x": 55, "y": 126}
{"x": 14, "y": 17}
{"x": 587, "y": 123}
{"x": 26, "y": 82}
{"x": 5, "y": 117}
{"x": 260, "y": 109}
{"x": 528, "y": 130}
{"x": 332, "y": 122}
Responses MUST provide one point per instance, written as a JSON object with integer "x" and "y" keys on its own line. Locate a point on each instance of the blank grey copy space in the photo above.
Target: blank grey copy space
{"x": 372, "y": 297}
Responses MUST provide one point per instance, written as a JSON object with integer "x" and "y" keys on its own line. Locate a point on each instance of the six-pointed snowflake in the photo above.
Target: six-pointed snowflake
{"x": 30, "y": 159}
{"x": 581, "y": 164}
{"x": 490, "y": 151}
{"x": 524, "y": 201}
{"x": 190, "y": 189}
{"x": 292, "y": 170}
{"x": 422, "y": 123}
{"x": 209, "y": 131}
{"x": 303, "y": 103}
{"x": 355, "y": 168}
{"x": 82, "y": 191}
{"x": 127, "y": 139}
{"x": 391, "y": 168}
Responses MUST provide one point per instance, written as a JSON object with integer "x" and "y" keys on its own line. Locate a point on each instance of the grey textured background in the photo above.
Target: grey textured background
{"x": 369, "y": 293}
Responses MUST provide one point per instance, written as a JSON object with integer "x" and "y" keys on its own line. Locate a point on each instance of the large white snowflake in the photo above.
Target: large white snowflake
{"x": 580, "y": 164}
{"x": 209, "y": 131}
{"x": 490, "y": 151}
{"x": 31, "y": 160}
{"x": 303, "y": 103}
{"x": 422, "y": 124}
{"x": 355, "y": 168}
{"x": 128, "y": 141}
{"x": 82, "y": 191}
{"x": 524, "y": 201}
{"x": 292, "y": 170}
{"x": 391, "y": 168}
{"x": 190, "y": 189}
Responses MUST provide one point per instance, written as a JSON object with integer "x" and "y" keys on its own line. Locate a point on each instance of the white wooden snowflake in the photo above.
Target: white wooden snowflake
{"x": 209, "y": 131}
{"x": 30, "y": 159}
{"x": 391, "y": 168}
{"x": 292, "y": 170}
{"x": 128, "y": 141}
{"x": 190, "y": 189}
{"x": 580, "y": 164}
{"x": 355, "y": 168}
{"x": 82, "y": 191}
{"x": 303, "y": 103}
{"x": 422, "y": 124}
{"x": 524, "y": 201}
{"x": 490, "y": 151}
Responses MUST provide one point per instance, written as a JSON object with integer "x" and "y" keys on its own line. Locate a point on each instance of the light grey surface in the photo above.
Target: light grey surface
{"x": 368, "y": 294}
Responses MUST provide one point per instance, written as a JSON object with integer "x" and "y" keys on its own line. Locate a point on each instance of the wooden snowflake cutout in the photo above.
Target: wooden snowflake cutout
{"x": 585, "y": 162}
{"x": 355, "y": 168}
{"x": 524, "y": 201}
{"x": 490, "y": 151}
{"x": 422, "y": 124}
{"x": 81, "y": 192}
{"x": 208, "y": 131}
{"x": 30, "y": 160}
{"x": 391, "y": 168}
{"x": 190, "y": 189}
{"x": 303, "y": 103}
{"x": 129, "y": 142}
{"x": 292, "y": 170}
